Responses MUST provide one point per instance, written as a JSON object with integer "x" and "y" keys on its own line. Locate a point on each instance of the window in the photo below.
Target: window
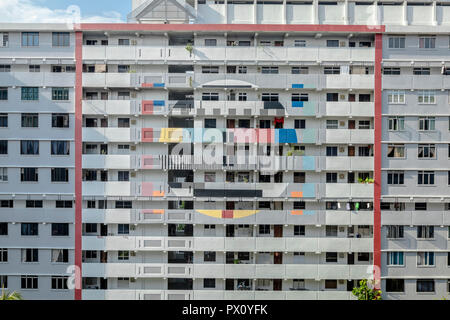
{"x": 299, "y": 230}
{"x": 59, "y": 283}
{"x": 299, "y": 123}
{"x": 421, "y": 71}
{"x": 6, "y": 204}
{"x": 396, "y": 97}
{"x": 30, "y": 39}
{"x": 420, "y": 206}
{"x": 3, "y": 146}
{"x": 210, "y": 123}
{"x": 210, "y": 96}
{"x": 30, "y": 255}
{"x": 123, "y": 176}
{"x": 269, "y": 70}
{"x": 123, "y": 95}
{"x": 391, "y": 71}
{"x": 331, "y": 231}
{"x": 3, "y": 229}
{"x": 123, "y": 68}
{"x": 425, "y": 286}
{"x": 123, "y": 255}
{"x": 4, "y": 42}
{"x": 209, "y": 283}
{"x": 331, "y": 70}
{"x": 427, "y": 151}
{"x": 426, "y": 97}
{"x": 30, "y": 93}
{"x": 124, "y": 42}
{"x": 299, "y": 205}
{"x": 396, "y": 177}
{"x": 60, "y": 175}
{"x": 29, "y": 175}
{"x": 331, "y": 257}
{"x": 395, "y": 232}
{"x": 425, "y": 232}
{"x": 210, "y": 42}
{"x": 29, "y": 147}
{"x": 30, "y": 120}
{"x": 60, "y": 229}
{"x": 427, "y": 42}
{"x": 210, "y": 69}
{"x": 264, "y": 229}
{"x": 61, "y": 39}
{"x": 29, "y": 282}
{"x": 3, "y": 93}
{"x": 64, "y": 204}
{"x": 210, "y": 177}
{"x": 396, "y": 123}
{"x": 397, "y": 42}
{"x": 3, "y": 120}
{"x": 29, "y": 229}
{"x": 363, "y": 124}
{"x": 269, "y": 97}
{"x": 242, "y": 96}
{"x": 90, "y": 228}
{"x": 332, "y": 151}
{"x": 3, "y": 255}
{"x": 396, "y": 151}
{"x": 123, "y": 229}
{"x": 34, "y": 68}
{"x": 60, "y": 94}
{"x": 331, "y": 177}
{"x": 299, "y": 43}
{"x": 299, "y": 177}
{"x": 124, "y": 204}
{"x": 395, "y": 258}
{"x": 332, "y": 43}
{"x": 5, "y": 68}
{"x": 60, "y": 148}
{"x": 299, "y": 70}
{"x": 425, "y": 177}
{"x": 34, "y": 204}
{"x": 425, "y": 259}
{"x": 332, "y": 124}
{"x": 209, "y": 256}
{"x": 395, "y": 285}
{"x": 332, "y": 97}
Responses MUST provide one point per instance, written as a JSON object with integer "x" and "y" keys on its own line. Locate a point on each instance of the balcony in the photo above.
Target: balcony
{"x": 346, "y": 136}
{"x": 104, "y": 135}
{"x": 110, "y": 107}
{"x": 97, "y": 161}
{"x": 346, "y": 163}
{"x": 227, "y": 271}
{"x": 231, "y": 54}
{"x": 418, "y": 82}
{"x": 121, "y": 294}
{"x": 37, "y": 79}
{"x": 415, "y": 218}
{"x": 345, "y": 109}
{"x": 349, "y": 190}
{"x": 110, "y": 188}
{"x": 110, "y": 80}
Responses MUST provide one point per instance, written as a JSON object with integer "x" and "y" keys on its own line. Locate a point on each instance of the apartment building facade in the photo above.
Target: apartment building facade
{"x": 228, "y": 150}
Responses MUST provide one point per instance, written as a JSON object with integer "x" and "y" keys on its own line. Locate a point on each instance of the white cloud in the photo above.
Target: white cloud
{"x": 27, "y": 11}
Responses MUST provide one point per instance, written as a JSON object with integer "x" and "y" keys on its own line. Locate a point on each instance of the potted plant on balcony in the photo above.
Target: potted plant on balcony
{"x": 366, "y": 291}
{"x": 236, "y": 261}
{"x": 189, "y": 48}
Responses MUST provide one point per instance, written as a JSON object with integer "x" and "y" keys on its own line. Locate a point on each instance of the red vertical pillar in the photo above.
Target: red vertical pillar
{"x": 377, "y": 161}
{"x": 78, "y": 160}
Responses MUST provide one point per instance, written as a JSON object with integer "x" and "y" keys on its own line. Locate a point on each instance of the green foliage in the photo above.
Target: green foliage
{"x": 189, "y": 48}
{"x": 6, "y": 295}
{"x": 364, "y": 292}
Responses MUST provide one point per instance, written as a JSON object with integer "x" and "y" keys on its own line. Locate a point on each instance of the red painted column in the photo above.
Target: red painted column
{"x": 377, "y": 161}
{"x": 78, "y": 160}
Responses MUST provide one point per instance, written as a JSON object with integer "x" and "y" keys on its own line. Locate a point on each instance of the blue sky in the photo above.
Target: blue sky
{"x": 56, "y": 10}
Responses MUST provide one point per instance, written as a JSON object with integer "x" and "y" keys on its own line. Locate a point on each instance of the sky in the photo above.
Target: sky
{"x": 51, "y": 11}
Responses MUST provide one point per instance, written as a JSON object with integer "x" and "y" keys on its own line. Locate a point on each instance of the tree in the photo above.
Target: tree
{"x": 6, "y": 295}
{"x": 364, "y": 292}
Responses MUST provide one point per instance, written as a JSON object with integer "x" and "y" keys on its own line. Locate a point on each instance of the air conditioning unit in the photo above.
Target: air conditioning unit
{"x": 342, "y": 44}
